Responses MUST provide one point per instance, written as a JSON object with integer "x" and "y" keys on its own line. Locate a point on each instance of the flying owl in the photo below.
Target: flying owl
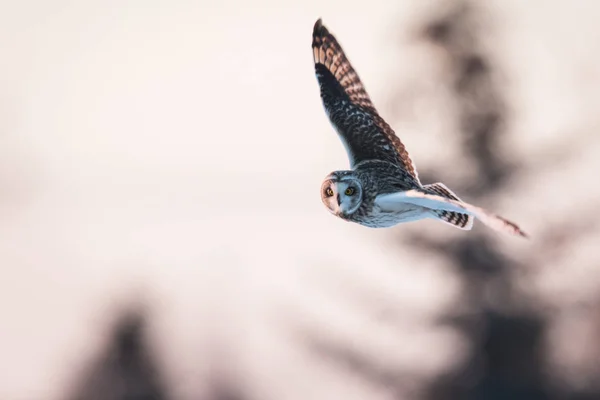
{"x": 382, "y": 188}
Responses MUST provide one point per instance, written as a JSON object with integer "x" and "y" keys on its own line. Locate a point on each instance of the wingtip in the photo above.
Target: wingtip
{"x": 524, "y": 235}
{"x": 319, "y": 28}
{"x": 517, "y": 231}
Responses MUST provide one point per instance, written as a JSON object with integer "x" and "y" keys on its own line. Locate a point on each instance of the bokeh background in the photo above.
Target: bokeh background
{"x": 161, "y": 230}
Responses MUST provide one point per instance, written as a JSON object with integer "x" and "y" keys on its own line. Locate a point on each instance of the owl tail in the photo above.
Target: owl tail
{"x": 457, "y": 220}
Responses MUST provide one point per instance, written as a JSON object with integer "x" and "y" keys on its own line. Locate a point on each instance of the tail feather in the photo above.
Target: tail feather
{"x": 457, "y": 220}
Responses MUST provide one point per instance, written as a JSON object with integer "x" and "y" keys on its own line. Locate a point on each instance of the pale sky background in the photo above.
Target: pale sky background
{"x": 175, "y": 150}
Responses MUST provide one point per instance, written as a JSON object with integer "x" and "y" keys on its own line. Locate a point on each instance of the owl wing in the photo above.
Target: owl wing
{"x": 397, "y": 201}
{"x": 364, "y": 133}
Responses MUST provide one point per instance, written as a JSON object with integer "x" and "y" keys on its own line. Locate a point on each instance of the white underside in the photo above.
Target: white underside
{"x": 398, "y": 202}
{"x": 402, "y": 214}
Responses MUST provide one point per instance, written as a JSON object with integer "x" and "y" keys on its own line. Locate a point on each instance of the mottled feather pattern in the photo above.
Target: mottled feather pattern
{"x": 365, "y": 133}
{"x": 461, "y": 221}
{"x": 328, "y": 52}
{"x": 456, "y": 219}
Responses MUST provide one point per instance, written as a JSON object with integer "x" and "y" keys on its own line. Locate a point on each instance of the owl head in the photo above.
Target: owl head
{"x": 342, "y": 192}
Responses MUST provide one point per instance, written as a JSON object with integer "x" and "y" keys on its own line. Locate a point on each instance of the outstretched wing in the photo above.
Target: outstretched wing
{"x": 364, "y": 133}
{"x": 397, "y": 201}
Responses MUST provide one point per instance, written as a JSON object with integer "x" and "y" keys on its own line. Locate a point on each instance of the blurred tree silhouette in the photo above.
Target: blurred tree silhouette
{"x": 125, "y": 370}
{"x": 506, "y": 362}
{"x": 506, "y": 359}
{"x": 128, "y": 370}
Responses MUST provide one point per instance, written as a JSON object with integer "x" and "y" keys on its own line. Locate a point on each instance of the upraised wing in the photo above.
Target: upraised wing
{"x": 364, "y": 133}
{"x": 397, "y": 201}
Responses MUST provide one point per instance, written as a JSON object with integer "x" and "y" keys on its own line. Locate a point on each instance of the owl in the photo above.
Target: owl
{"x": 382, "y": 188}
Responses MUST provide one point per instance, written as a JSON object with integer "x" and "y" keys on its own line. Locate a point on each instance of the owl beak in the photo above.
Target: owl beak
{"x": 339, "y": 201}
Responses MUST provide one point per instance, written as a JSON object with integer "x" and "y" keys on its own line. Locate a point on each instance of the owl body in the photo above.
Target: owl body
{"x": 382, "y": 188}
{"x": 371, "y": 179}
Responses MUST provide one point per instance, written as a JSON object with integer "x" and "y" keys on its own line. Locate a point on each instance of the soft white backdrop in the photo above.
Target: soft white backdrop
{"x": 174, "y": 151}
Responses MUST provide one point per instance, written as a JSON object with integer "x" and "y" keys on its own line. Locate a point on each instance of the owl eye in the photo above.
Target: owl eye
{"x": 329, "y": 192}
{"x": 349, "y": 191}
